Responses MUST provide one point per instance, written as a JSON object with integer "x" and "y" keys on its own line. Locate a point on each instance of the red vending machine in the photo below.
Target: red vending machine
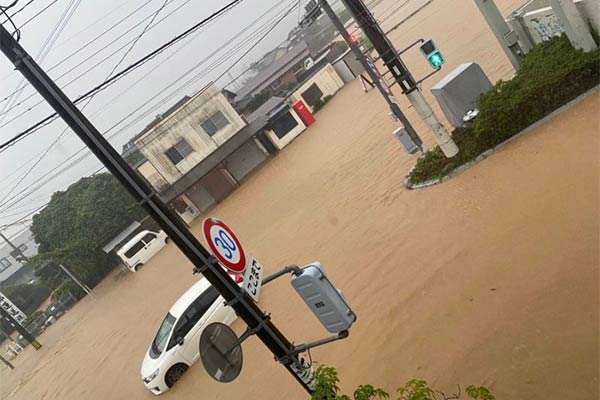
{"x": 304, "y": 113}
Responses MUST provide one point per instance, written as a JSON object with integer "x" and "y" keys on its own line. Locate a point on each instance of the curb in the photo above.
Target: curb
{"x": 456, "y": 171}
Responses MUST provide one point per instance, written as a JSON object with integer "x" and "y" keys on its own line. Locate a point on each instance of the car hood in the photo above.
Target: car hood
{"x": 149, "y": 365}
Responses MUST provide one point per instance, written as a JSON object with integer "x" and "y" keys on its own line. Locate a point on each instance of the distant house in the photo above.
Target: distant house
{"x": 10, "y": 262}
{"x": 199, "y": 152}
{"x": 276, "y": 78}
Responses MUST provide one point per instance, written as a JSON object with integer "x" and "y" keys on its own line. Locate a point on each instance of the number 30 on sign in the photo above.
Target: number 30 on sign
{"x": 224, "y": 245}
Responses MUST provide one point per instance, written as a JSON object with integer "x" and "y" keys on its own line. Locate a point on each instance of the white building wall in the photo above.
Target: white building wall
{"x": 185, "y": 123}
{"x": 327, "y": 79}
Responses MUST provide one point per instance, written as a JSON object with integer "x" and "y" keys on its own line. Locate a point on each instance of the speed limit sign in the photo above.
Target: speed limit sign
{"x": 224, "y": 245}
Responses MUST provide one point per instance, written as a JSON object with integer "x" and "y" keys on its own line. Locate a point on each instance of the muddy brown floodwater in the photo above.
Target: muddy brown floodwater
{"x": 490, "y": 278}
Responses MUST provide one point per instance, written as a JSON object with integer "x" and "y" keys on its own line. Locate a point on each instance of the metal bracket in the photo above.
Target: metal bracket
{"x": 411, "y": 46}
{"x": 293, "y": 269}
{"x": 303, "y": 347}
{"x": 249, "y": 332}
{"x": 147, "y": 198}
{"x": 200, "y": 269}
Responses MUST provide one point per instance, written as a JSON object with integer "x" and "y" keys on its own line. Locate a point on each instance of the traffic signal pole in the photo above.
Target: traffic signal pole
{"x": 376, "y": 79}
{"x": 402, "y": 76}
{"x": 175, "y": 228}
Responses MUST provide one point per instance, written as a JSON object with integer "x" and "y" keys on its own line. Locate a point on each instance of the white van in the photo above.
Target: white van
{"x": 139, "y": 249}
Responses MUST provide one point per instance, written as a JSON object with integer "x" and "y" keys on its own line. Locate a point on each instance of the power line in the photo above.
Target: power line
{"x": 46, "y": 47}
{"x": 38, "y": 14}
{"x": 121, "y": 73}
{"x": 152, "y": 108}
{"x": 19, "y": 10}
{"x": 81, "y": 49}
{"x": 26, "y": 174}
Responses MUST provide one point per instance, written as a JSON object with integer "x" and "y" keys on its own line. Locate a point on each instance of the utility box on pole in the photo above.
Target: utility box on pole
{"x": 459, "y": 91}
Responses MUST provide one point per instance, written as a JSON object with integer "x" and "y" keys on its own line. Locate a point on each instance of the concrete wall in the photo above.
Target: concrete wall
{"x": 291, "y": 135}
{"x": 153, "y": 177}
{"x": 185, "y": 123}
{"x": 538, "y": 20}
{"x": 326, "y": 79}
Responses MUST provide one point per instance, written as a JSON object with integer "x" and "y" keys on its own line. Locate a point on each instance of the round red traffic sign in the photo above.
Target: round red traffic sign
{"x": 224, "y": 244}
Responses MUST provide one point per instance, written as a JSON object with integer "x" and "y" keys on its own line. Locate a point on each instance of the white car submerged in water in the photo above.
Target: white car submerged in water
{"x": 176, "y": 345}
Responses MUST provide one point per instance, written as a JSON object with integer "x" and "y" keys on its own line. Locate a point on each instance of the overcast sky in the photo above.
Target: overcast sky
{"x": 89, "y": 20}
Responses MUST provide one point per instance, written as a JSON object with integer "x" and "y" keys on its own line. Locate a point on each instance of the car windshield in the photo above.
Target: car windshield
{"x": 160, "y": 341}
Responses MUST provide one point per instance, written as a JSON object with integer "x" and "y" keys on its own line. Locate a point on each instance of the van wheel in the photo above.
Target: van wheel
{"x": 174, "y": 374}
{"x": 137, "y": 267}
{"x": 167, "y": 240}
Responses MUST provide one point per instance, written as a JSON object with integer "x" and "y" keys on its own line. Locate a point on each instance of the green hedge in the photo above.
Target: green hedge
{"x": 551, "y": 75}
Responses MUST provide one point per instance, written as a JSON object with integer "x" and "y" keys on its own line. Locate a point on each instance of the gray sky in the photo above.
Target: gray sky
{"x": 86, "y": 23}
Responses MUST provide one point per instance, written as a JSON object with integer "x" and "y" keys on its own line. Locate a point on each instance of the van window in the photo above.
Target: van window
{"x": 133, "y": 250}
{"x": 192, "y": 315}
{"x": 148, "y": 237}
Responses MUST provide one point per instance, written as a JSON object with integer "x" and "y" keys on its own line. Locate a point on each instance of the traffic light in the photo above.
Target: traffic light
{"x": 432, "y": 54}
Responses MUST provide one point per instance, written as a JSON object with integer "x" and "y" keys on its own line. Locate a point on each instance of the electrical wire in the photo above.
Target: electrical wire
{"x": 19, "y": 10}
{"x": 36, "y": 15}
{"x": 46, "y": 47}
{"x": 93, "y": 67}
{"x": 3, "y": 9}
{"x": 106, "y": 31}
{"x": 121, "y": 73}
{"x": 47, "y": 151}
{"x": 151, "y": 109}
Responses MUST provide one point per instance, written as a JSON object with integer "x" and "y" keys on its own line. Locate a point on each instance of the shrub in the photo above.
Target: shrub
{"x": 551, "y": 75}
{"x": 327, "y": 388}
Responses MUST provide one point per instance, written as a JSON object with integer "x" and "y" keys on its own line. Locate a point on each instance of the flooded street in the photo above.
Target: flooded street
{"x": 490, "y": 278}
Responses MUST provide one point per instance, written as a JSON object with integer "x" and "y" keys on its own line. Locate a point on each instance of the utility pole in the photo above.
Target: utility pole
{"x": 5, "y": 362}
{"x": 70, "y": 274}
{"x": 11, "y": 244}
{"x": 78, "y": 281}
{"x": 376, "y": 79}
{"x": 401, "y": 75}
{"x": 24, "y": 332}
{"x": 576, "y": 28}
{"x": 4, "y": 313}
{"x": 258, "y": 322}
{"x": 507, "y": 38}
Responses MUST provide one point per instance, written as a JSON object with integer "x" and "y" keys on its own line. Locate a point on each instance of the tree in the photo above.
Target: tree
{"x": 77, "y": 222}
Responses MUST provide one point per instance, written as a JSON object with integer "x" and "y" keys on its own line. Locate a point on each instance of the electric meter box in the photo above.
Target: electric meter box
{"x": 324, "y": 300}
{"x": 459, "y": 92}
{"x": 402, "y": 136}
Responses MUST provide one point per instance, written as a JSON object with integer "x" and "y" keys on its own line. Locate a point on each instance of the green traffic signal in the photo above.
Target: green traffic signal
{"x": 436, "y": 59}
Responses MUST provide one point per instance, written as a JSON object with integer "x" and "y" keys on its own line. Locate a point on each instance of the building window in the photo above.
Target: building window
{"x": 276, "y": 84}
{"x": 180, "y": 151}
{"x": 4, "y": 263}
{"x": 215, "y": 123}
{"x": 298, "y": 69}
{"x": 282, "y": 125}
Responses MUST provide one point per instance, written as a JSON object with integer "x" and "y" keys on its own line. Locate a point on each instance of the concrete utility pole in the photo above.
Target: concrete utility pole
{"x": 204, "y": 262}
{"x": 401, "y": 75}
{"x": 78, "y": 281}
{"x": 11, "y": 244}
{"x": 575, "y": 27}
{"x": 506, "y": 37}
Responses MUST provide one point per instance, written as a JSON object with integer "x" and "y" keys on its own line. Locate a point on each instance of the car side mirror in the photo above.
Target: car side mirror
{"x": 180, "y": 341}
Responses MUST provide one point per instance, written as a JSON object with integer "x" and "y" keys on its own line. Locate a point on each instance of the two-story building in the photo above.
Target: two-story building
{"x": 198, "y": 152}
